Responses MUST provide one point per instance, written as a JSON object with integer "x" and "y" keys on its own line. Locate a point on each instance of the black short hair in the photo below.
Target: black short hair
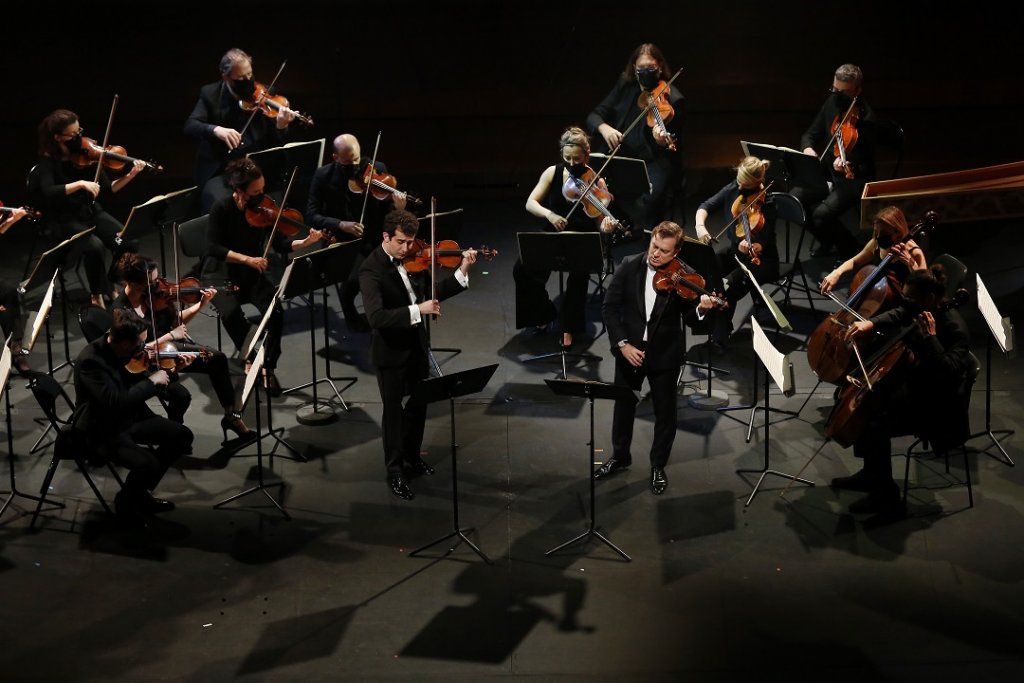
{"x": 127, "y": 325}
{"x": 401, "y": 220}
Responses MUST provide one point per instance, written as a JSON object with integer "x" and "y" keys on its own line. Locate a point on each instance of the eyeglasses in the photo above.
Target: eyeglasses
{"x": 77, "y": 133}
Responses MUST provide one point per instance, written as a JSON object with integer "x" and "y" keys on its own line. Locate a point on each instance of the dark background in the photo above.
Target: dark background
{"x": 470, "y": 98}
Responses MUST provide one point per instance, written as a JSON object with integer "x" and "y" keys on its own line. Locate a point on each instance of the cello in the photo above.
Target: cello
{"x": 828, "y": 353}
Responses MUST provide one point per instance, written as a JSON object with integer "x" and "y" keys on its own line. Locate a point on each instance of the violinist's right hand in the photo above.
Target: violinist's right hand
{"x": 160, "y": 378}
{"x": 87, "y": 185}
{"x": 430, "y": 307}
{"x": 703, "y": 235}
{"x": 351, "y": 227}
{"x": 558, "y": 221}
{"x": 229, "y": 136}
{"x": 255, "y": 263}
{"x": 809, "y": 151}
{"x": 612, "y": 136}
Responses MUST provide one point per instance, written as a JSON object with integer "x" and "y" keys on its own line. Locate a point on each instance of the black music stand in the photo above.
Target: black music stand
{"x": 564, "y": 252}
{"x": 451, "y": 387}
{"x": 5, "y": 375}
{"x": 156, "y": 214}
{"x": 277, "y": 164}
{"x": 592, "y": 390}
{"x": 251, "y": 387}
{"x": 50, "y": 265}
{"x": 702, "y": 258}
{"x": 309, "y": 272}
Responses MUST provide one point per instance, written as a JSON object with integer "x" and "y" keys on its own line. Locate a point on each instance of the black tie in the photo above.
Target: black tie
{"x": 396, "y": 261}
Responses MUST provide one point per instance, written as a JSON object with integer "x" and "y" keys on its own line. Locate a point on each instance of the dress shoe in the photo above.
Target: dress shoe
{"x": 610, "y": 467}
{"x": 418, "y": 466}
{"x": 233, "y": 421}
{"x": 859, "y": 481}
{"x": 400, "y": 487}
{"x": 357, "y": 323}
{"x": 154, "y": 505}
{"x": 659, "y": 482}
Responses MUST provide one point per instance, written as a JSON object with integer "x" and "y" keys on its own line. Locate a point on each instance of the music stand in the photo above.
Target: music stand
{"x": 1002, "y": 331}
{"x": 450, "y": 387}
{"x": 50, "y": 265}
{"x": 563, "y": 252}
{"x": 155, "y": 214}
{"x": 702, "y": 258}
{"x": 250, "y": 383}
{"x": 591, "y": 390}
{"x": 277, "y": 164}
{"x": 318, "y": 269}
{"x": 5, "y": 375}
{"x": 778, "y": 367}
{"x": 626, "y": 177}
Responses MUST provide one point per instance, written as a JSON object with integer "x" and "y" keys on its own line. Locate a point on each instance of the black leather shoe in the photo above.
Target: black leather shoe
{"x": 418, "y": 467}
{"x": 400, "y": 487}
{"x": 610, "y": 467}
{"x": 858, "y": 481}
{"x": 659, "y": 482}
{"x": 154, "y": 505}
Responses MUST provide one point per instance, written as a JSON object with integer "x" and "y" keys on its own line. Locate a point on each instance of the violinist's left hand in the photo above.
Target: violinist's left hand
{"x": 313, "y": 237}
{"x": 902, "y": 253}
{"x": 207, "y": 295}
{"x": 399, "y": 199}
{"x": 706, "y": 304}
{"x": 284, "y": 117}
{"x": 138, "y": 166}
{"x": 926, "y": 323}
{"x": 661, "y": 136}
{"x": 838, "y": 164}
{"x": 608, "y": 225}
{"x": 744, "y": 247}
{"x": 468, "y": 259}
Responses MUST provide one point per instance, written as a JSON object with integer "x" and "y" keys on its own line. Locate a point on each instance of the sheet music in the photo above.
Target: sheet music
{"x": 270, "y": 309}
{"x": 44, "y": 311}
{"x": 746, "y": 151}
{"x": 254, "y": 373}
{"x": 780, "y": 318}
{"x": 778, "y": 365}
{"x": 5, "y": 366}
{"x": 1002, "y": 328}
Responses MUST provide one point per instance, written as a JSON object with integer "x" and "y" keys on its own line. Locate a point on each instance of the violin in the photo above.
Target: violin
{"x": 596, "y": 200}
{"x": 679, "y": 277}
{"x": 168, "y": 358}
{"x": 271, "y": 105}
{"x": 382, "y": 185}
{"x": 30, "y": 213}
{"x": 659, "y": 111}
{"x": 448, "y": 254}
{"x": 267, "y": 213}
{"x": 845, "y": 134}
{"x": 828, "y": 353}
{"x": 751, "y": 220}
{"x": 188, "y": 290}
{"x": 114, "y": 157}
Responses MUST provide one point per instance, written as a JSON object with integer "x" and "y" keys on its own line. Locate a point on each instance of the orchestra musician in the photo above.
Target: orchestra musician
{"x": 157, "y": 307}
{"x": 396, "y": 303}
{"x": 825, "y": 211}
{"x": 919, "y": 392}
{"x": 239, "y": 249}
{"x": 12, "y": 315}
{"x": 645, "y": 69}
{"x": 66, "y": 191}
{"x": 534, "y": 307}
{"x": 226, "y": 131}
{"x": 112, "y": 417}
{"x": 742, "y": 192}
{"x": 644, "y": 328}
{"x": 337, "y": 210}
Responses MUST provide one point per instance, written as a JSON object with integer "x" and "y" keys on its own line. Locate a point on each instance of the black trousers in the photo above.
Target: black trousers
{"x": 824, "y": 214}
{"x": 260, "y": 293}
{"x": 147, "y": 467}
{"x": 535, "y": 308}
{"x": 737, "y": 286}
{"x": 402, "y": 426}
{"x": 664, "y": 398}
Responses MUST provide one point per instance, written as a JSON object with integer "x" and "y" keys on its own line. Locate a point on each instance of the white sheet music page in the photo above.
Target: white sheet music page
{"x": 1002, "y": 328}
{"x": 778, "y": 365}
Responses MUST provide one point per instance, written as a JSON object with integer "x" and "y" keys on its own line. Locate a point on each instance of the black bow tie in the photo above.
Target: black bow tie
{"x": 396, "y": 261}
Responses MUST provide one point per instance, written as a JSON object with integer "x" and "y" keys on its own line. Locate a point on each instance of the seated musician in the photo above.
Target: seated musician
{"x": 164, "y": 324}
{"x": 889, "y": 233}
{"x": 240, "y": 248}
{"x": 760, "y": 219}
{"x": 919, "y": 393}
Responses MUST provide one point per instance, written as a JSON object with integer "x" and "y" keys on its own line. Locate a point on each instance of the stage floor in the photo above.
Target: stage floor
{"x": 722, "y": 585}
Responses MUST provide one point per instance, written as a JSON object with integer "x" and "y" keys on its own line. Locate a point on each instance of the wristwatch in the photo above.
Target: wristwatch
{"x": 622, "y": 343}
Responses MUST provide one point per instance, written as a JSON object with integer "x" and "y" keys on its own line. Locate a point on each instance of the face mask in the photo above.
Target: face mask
{"x": 577, "y": 170}
{"x": 884, "y": 241}
{"x": 243, "y": 87}
{"x": 254, "y": 201}
{"x": 74, "y": 144}
{"x": 842, "y": 99}
{"x": 648, "y": 77}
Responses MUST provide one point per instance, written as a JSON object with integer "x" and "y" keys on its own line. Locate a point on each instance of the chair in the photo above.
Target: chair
{"x": 47, "y": 392}
{"x": 192, "y": 236}
{"x": 956, "y": 272}
{"x": 789, "y": 209}
{"x": 44, "y": 237}
{"x": 95, "y": 321}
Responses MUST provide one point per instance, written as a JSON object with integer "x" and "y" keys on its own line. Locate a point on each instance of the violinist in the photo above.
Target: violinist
{"x": 743, "y": 206}
{"x": 12, "y": 317}
{"x": 919, "y": 392}
{"x": 825, "y": 211}
{"x": 396, "y": 303}
{"x": 645, "y": 70}
{"x": 68, "y": 196}
{"x": 647, "y": 343}
{"x": 533, "y": 306}
{"x": 239, "y": 247}
{"x": 225, "y": 130}
{"x": 114, "y": 420}
{"x": 144, "y": 296}
{"x": 337, "y": 210}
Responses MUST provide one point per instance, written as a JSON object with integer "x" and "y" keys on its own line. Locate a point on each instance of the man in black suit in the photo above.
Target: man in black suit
{"x": 644, "y": 328}
{"x": 395, "y": 306}
{"x": 112, "y": 416}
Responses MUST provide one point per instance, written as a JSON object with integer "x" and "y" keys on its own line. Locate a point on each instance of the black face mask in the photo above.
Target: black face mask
{"x": 648, "y": 77}
{"x": 74, "y": 144}
{"x": 349, "y": 170}
{"x": 254, "y": 201}
{"x": 842, "y": 100}
{"x": 577, "y": 170}
{"x": 244, "y": 87}
{"x": 884, "y": 241}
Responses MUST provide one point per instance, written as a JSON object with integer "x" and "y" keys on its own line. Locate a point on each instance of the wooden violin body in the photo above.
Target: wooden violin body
{"x": 114, "y": 157}
{"x": 167, "y": 357}
{"x": 659, "y": 111}
{"x": 271, "y": 105}
{"x": 676, "y": 276}
{"x": 381, "y": 185}
{"x": 448, "y": 254}
{"x": 267, "y": 213}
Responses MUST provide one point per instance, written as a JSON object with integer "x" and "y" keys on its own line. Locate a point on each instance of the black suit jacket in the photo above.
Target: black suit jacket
{"x": 107, "y": 398}
{"x": 386, "y": 305}
{"x": 624, "y": 311}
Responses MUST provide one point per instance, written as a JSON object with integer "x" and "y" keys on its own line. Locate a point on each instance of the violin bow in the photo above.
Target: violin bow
{"x": 280, "y": 210}
{"x": 839, "y": 129}
{"x": 373, "y": 167}
{"x": 611, "y": 155}
{"x": 106, "y": 140}
{"x": 433, "y": 248}
{"x": 270, "y": 87}
{"x": 742, "y": 211}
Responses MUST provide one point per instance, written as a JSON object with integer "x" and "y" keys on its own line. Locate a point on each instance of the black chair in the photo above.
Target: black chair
{"x": 45, "y": 236}
{"x": 95, "y": 321}
{"x": 789, "y": 209}
{"x": 192, "y": 236}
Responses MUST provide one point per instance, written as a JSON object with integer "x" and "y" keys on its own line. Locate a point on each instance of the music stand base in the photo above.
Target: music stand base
{"x": 254, "y": 489}
{"x": 316, "y": 413}
{"x": 991, "y": 434}
{"x": 587, "y": 535}
{"x": 764, "y": 473}
{"x": 460, "y": 534}
{"x": 713, "y": 400}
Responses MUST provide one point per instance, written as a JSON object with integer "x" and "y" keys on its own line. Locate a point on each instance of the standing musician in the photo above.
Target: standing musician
{"x": 66, "y": 189}
{"x": 157, "y": 307}
{"x": 218, "y": 120}
{"x": 12, "y": 316}
{"x": 240, "y": 247}
{"x": 644, "y": 328}
{"x": 395, "y": 304}
{"x": 847, "y": 180}
{"x": 660, "y": 147}
{"x": 547, "y": 200}
{"x": 113, "y": 418}
{"x": 337, "y": 209}
{"x": 919, "y": 392}
{"x": 751, "y": 228}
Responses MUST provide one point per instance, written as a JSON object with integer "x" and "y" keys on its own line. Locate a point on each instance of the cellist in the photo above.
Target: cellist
{"x": 919, "y": 393}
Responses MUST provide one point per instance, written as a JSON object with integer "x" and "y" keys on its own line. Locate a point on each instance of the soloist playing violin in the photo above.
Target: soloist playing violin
{"x": 644, "y": 328}
{"x": 338, "y": 206}
{"x": 241, "y": 252}
{"x": 66, "y": 185}
{"x": 918, "y": 396}
{"x": 750, "y": 225}
{"x": 155, "y": 301}
{"x": 548, "y": 201}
